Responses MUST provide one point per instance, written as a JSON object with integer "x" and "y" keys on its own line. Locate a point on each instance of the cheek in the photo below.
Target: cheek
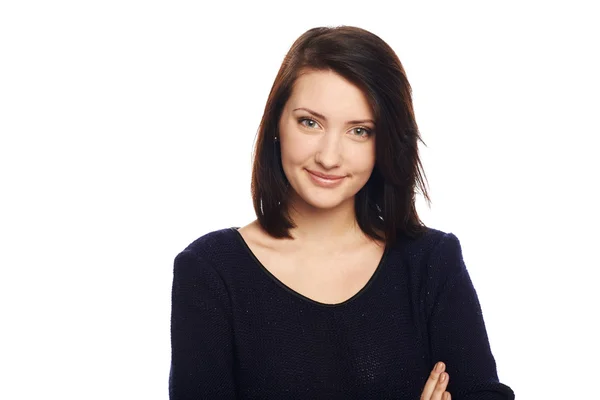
{"x": 363, "y": 160}
{"x": 296, "y": 149}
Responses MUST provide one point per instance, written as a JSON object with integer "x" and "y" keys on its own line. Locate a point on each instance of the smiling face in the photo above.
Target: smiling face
{"x": 326, "y": 127}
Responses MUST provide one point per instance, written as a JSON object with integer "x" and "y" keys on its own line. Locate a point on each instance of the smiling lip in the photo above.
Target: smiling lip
{"x": 324, "y": 182}
{"x": 325, "y": 176}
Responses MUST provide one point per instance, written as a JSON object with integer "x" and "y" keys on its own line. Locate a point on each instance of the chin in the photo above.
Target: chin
{"x": 323, "y": 200}
{"x": 324, "y": 204}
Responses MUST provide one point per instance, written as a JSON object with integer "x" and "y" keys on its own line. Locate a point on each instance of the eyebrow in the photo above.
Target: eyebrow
{"x": 316, "y": 114}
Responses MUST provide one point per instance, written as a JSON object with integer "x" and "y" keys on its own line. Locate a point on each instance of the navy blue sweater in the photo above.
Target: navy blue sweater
{"x": 237, "y": 332}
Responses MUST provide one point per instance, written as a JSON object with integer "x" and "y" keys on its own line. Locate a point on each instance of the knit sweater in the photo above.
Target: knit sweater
{"x": 237, "y": 332}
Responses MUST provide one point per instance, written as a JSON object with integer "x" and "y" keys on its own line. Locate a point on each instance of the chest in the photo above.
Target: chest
{"x": 325, "y": 278}
{"x": 369, "y": 348}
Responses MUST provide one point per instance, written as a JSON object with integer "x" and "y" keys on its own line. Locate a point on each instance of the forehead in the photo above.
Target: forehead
{"x": 330, "y": 94}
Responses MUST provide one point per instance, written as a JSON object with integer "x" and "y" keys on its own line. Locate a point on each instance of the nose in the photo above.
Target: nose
{"x": 329, "y": 154}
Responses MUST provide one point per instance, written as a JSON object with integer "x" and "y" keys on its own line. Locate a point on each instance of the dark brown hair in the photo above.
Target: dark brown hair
{"x": 385, "y": 205}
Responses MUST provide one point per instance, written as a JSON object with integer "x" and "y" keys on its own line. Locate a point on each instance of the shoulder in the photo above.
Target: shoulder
{"x": 443, "y": 261}
{"x": 431, "y": 242}
{"x": 432, "y": 262}
{"x": 218, "y": 250}
{"x": 434, "y": 255}
{"x": 196, "y": 278}
{"x": 438, "y": 243}
{"x": 207, "y": 247}
{"x": 211, "y": 243}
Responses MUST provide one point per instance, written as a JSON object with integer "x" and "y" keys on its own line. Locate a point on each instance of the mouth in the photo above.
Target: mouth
{"x": 325, "y": 176}
{"x": 327, "y": 181}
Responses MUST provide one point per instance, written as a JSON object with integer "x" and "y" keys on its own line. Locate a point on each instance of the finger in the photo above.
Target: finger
{"x": 440, "y": 388}
{"x": 432, "y": 381}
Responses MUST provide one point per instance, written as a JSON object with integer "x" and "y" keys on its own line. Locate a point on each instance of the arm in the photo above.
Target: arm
{"x": 201, "y": 332}
{"x": 457, "y": 331}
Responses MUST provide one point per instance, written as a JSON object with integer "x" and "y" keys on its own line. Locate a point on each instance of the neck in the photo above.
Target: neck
{"x": 324, "y": 228}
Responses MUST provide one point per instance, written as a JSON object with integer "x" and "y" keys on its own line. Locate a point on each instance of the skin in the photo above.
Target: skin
{"x": 435, "y": 387}
{"x": 328, "y": 145}
{"x": 332, "y": 146}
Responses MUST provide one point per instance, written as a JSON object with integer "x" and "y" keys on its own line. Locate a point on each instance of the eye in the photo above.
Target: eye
{"x": 364, "y": 131}
{"x": 301, "y": 120}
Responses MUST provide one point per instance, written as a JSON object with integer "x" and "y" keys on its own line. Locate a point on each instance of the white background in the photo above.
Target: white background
{"x": 127, "y": 130}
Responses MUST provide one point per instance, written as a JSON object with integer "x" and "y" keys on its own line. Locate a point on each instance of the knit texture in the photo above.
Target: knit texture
{"x": 237, "y": 332}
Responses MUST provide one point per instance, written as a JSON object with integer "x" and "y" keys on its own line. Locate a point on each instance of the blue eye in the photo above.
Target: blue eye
{"x": 365, "y": 131}
{"x": 301, "y": 120}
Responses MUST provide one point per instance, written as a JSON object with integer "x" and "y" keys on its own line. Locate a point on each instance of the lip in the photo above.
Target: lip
{"x": 324, "y": 182}
{"x": 325, "y": 176}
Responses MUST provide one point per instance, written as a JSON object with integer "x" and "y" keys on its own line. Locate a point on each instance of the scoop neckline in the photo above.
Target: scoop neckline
{"x": 293, "y": 292}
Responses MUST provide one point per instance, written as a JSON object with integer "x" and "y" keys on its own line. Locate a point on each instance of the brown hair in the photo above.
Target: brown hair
{"x": 385, "y": 205}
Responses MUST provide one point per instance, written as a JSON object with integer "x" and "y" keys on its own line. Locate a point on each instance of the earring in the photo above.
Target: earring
{"x": 275, "y": 139}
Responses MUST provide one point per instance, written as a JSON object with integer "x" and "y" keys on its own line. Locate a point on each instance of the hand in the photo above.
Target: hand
{"x": 435, "y": 387}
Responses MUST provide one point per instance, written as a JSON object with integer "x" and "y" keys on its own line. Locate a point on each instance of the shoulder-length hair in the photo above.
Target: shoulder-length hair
{"x": 385, "y": 205}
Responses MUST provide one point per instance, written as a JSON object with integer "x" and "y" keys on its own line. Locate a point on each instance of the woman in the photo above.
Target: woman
{"x": 337, "y": 290}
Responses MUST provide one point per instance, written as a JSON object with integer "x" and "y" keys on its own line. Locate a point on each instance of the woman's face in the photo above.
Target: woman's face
{"x": 319, "y": 132}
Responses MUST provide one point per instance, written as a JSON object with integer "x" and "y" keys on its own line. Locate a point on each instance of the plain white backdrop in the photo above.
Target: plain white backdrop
{"x": 127, "y": 130}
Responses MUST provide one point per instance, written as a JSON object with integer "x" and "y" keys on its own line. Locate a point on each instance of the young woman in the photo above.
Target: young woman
{"x": 337, "y": 290}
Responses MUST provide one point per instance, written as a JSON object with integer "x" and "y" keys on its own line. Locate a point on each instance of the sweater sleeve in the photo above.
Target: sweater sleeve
{"x": 201, "y": 332}
{"x": 457, "y": 331}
